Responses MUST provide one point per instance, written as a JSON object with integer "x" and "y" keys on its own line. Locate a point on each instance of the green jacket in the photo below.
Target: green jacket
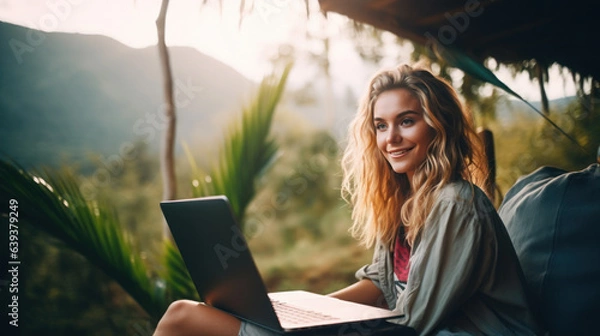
{"x": 464, "y": 277}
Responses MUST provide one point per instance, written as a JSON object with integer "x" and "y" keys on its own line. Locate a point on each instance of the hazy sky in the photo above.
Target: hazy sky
{"x": 189, "y": 23}
{"x": 246, "y": 48}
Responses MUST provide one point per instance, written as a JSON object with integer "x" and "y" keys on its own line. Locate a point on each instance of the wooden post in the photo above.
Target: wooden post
{"x": 487, "y": 138}
{"x": 167, "y": 152}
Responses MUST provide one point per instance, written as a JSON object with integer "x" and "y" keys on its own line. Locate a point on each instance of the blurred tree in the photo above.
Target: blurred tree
{"x": 169, "y": 114}
{"x": 168, "y": 150}
{"x": 483, "y": 107}
{"x": 62, "y": 293}
{"x": 307, "y": 177}
{"x": 135, "y": 182}
{"x": 371, "y": 45}
{"x": 525, "y": 143}
{"x": 368, "y": 41}
{"x": 247, "y": 151}
{"x": 54, "y": 201}
{"x": 537, "y": 70}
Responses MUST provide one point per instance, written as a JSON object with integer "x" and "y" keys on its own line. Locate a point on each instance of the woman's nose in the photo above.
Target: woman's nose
{"x": 394, "y": 135}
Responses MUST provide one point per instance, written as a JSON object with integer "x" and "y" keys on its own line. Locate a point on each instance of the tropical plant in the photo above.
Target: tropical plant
{"x": 247, "y": 150}
{"x": 52, "y": 201}
{"x": 245, "y": 155}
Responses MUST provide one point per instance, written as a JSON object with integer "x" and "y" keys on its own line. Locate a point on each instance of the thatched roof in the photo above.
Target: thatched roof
{"x": 548, "y": 31}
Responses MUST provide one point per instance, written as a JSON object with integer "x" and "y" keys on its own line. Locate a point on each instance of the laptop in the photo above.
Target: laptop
{"x": 221, "y": 266}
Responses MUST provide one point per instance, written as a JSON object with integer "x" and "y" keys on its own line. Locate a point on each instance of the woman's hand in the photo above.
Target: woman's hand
{"x": 363, "y": 291}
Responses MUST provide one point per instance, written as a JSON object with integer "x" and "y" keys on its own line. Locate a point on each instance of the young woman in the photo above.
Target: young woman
{"x": 442, "y": 256}
{"x": 412, "y": 169}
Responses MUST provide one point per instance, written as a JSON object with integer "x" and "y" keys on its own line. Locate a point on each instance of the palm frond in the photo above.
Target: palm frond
{"x": 247, "y": 150}
{"x": 176, "y": 275}
{"x": 52, "y": 201}
{"x": 245, "y": 154}
{"x": 460, "y": 60}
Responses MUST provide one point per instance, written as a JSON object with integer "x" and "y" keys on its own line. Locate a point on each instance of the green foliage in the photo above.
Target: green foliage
{"x": 297, "y": 225}
{"x": 307, "y": 177}
{"x": 80, "y": 217}
{"x": 294, "y": 207}
{"x": 132, "y": 185}
{"x": 526, "y": 143}
{"x": 62, "y": 293}
{"x": 178, "y": 280}
{"x": 474, "y": 77}
{"x": 247, "y": 150}
{"x": 54, "y": 203}
{"x": 245, "y": 154}
{"x": 65, "y": 293}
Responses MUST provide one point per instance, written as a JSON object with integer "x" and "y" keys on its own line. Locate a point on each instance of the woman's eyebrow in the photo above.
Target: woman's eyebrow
{"x": 399, "y": 115}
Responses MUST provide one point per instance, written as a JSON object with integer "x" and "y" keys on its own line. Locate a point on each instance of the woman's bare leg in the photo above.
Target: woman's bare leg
{"x": 187, "y": 317}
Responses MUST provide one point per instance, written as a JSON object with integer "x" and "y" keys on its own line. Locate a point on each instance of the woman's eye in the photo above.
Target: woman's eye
{"x": 380, "y": 127}
{"x": 407, "y": 122}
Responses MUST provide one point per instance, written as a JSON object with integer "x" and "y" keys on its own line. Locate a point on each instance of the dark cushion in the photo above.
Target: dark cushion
{"x": 553, "y": 218}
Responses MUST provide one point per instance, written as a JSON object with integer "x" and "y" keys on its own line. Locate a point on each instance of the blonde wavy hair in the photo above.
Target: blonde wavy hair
{"x": 382, "y": 199}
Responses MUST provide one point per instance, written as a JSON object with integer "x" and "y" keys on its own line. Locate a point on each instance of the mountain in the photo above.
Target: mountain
{"x": 508, "y": 109}
{"x": 64, "y": 95}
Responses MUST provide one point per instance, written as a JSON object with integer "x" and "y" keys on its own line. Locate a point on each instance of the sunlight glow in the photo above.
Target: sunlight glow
{"x": 215, "y": 32}
{"x": 247, "y": 48}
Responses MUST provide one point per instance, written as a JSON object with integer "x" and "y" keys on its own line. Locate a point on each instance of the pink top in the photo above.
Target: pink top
{"x": 401, "y": 257}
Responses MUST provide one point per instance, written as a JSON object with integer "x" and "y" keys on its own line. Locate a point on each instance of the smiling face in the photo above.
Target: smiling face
{"x": 402, "y": 133}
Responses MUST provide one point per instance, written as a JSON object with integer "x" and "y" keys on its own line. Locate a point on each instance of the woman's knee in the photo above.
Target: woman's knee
{"x": 185, "y": 317}
{"x": 178, "y": 313}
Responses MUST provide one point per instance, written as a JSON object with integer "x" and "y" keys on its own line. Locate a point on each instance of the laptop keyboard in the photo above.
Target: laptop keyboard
{"x": 295, "y": 315}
